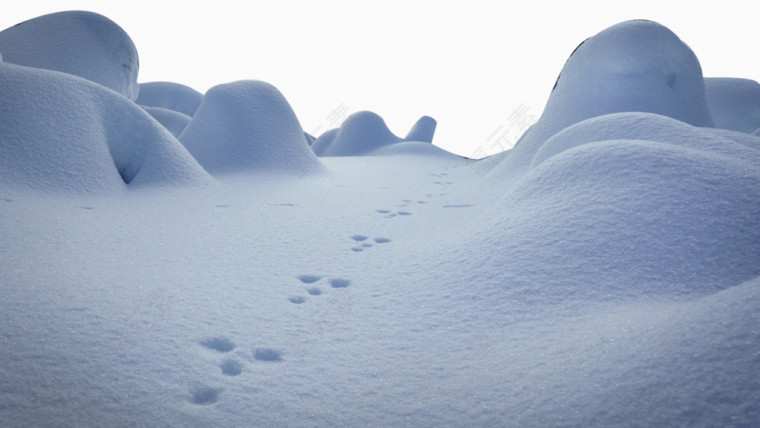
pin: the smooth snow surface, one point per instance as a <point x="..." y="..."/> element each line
<point x="734" y="103"/>
<point x="169" y="95"/>
<point x="84" y="44"/>
<point x="248" y="125"/>
<point x="607" y="274"/>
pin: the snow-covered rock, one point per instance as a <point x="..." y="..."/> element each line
<point x="634" y="66"/>
<point x="172" y="120"/>
<point x="62" y="133"/>
<point x="734" y="103"/>
<point x="170" y="95"/>
<point x="248" y="126"/>
<point x="423" y="130"/>
<point x="360" y="133"/>
<point x="84" y="44"/>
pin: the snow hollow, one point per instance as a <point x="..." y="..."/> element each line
<point x="172" y="258"/>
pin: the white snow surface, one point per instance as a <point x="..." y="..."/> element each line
<point x="607" y="274"/>
<point x="170" y="95"/>
<point x="734" y="103"/>
<point x="81" y="43"/>
<point x="248" y="126"/>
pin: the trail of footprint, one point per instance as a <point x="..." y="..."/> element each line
<point x="205" y="395"/>
<point x="219" y="343"/>
<point x="308" y="279"/>
<point x="339" y="283"/>
<point x="267" y="354"/>
<point x="231" y="367"/>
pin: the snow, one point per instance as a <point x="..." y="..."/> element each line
<point x="61" y="133"/>
<point x="170" y="95"/>
<point x="423" y="130"/>
<point x="604" y="274"/>
<point x="734" y="103"/>
<point x="248" y="126"/>
<point x="174" y="121"/>
<point x="84" y="44"/>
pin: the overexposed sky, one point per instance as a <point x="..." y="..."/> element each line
<point x="481" y="69"/>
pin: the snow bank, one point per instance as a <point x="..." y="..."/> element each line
<point x="423" y="130"/>
<point x="412" y="148"/>
<point x="248" y="126"/>
<point x="634" y="66"/>
<point x="169" y="95"/>
<point x="734" y="103"/>
<point x="62" y="133"/>
<point x="84" y="44"/>
<point x="174" y="121"/>
<point x="627" y="217"/>
<point x="360" y="133"/>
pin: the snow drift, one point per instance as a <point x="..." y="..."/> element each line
<point x="248" y="126"/>
<point x="59" y="133"/>
<point x="170" y="95"/>
<point x="84" y="44"/>
<point x="174" y="121"/>
<point x="734" y="103"/>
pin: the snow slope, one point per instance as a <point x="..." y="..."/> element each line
<point x="84" y="44"/>
<point x="608" y="275"/>
<point x="734" y="103"/>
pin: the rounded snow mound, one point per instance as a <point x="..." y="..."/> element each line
<point x="169" y="95"/>
<point x="629" y="218"/>
<point x="734" y="103"/>
<point x="84" y="44"/>
<point x="360" y="134"/>
<point x="62" y="133"/>
<point x="634" y="66"/>
<point x="248" y="126"/>
<point x="642" y="126"/>
<point x="413" y="148"/>
<point x="423" y="130"/>
<point x="323" y="141"/>
<point x="174" y="121"/>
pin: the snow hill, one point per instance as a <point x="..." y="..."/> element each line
<point x="84" y="44"/>
<point x="248" y="125"/>
<point x="604" y="272"/>
<point x="170" y="95"/>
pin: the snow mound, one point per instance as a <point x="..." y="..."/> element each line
<point x="84" y="44"/>
<point x="310" y="139"/>
<point x="360" y="134"/>
<point x="323" y="141"/>
<point x="734" y="103"/>
<point x="248" y="126"/>
<point x="172" y="120"/>
<point x="634" y="66"/>
<point x="169" y="95"/>
<point x="628" y="218"/>
<point x="423" y="130"/>
<point x="643" y="126"/>
<point x="62" y="133"/>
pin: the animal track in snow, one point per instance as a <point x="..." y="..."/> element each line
<point x="340" y="283"/>
<point x="359" y="238"/>
<point x="383" y="211"/>
<point x="221" y="344"/>
<point x="314" y="291"/>
<point x="297" y="300"/>
<point x="205" y="395"/>
<point x="404" y="213"/>
<point x="308" y="279"/>
<point x="458" y="206"/>
<point x="267" y="354"/>
<point x="231" y="367"/>
<point x="382" y="240"/>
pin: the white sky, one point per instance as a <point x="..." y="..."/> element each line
<point x="470" y="66"/>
